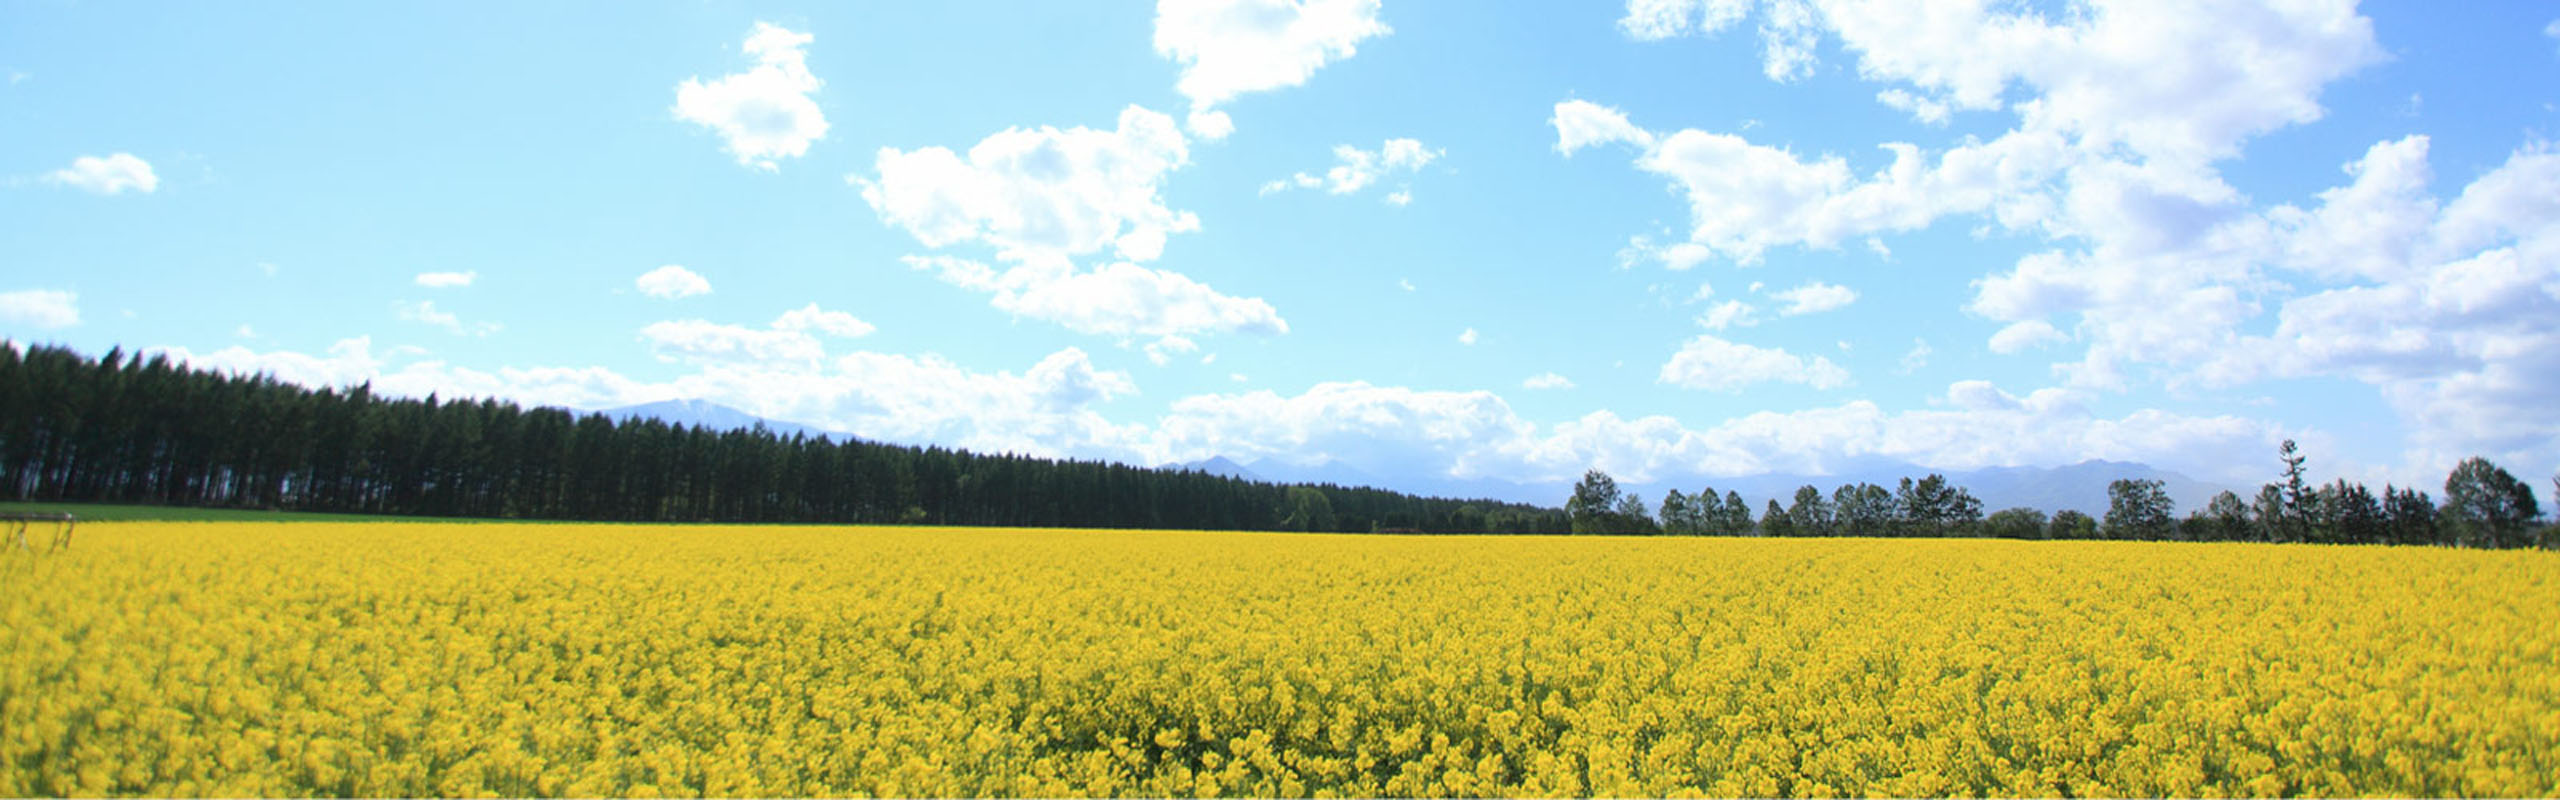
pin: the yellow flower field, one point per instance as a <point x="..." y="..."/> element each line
<point x="457" y="659"/>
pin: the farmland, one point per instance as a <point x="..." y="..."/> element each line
<point x="372" y="659"/>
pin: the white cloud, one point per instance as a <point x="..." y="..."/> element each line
<point x="1787" y="36"/>
<point x="2023" y="335"/>
<point x="1383" y="429"/>
<point x="1581" y="123"/>
<point x="1399" y="198"/>
<point x="111" y="175"/>
<point x="1405" y="284"/>
<point x="703" y="341"/>
<point x="1547" y="380"/>
<point x="348" y="362"/>
<point x="244" y="331"/>
<point x="2111" y="157"/>
<point x="832" y="323"/>
<point x="1916" y="358"/>
<point x="764" y="114"/>
<point x="791" y="339"/>
<point x="1053" y="409"/>
<point x="671" y="282"/>
<point x="425" y="311"/>
<point x="1391" y="430"/>
<point x="1715" y="364"/>
<point x="444" y="280"/>
<point x="1117" y="299"/>
<point x="1467" y="337"/>
<point x="1730" y="313"/>
<point x="1814" y="297"/>
<point x="1045" y="192"/>
<point x="1355" y="169"/>
<point x="1654" y="20"/>
<point x="46" y="309"/>
<point x="1229" y="48"/>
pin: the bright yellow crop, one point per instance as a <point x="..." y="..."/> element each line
<point x="446" y="659"/>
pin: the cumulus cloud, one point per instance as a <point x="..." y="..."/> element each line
<point x="43" y="309"/>
<point x="791" y="339"/>
<point x="1787" y="34"/>
<point x="1468" y="336"/>
<point x="1229" y="48"/>
<point x="1356" y="169"/>
<point x="1730" y="314"/>
<point x="111" y="175"/>
<point x="2155" y="261"/>
<point x="1814" y="297"/>
<point x="1583" y="124"/>
<point x="764" y="114"/>
<point x="348" y="362"/>
<point x="447" y="280"/>
<point x="2018" y="337"/>
<point x="1547" y="380"/>
<point x="671" y="282"/>
<point x="425" y="311"/>
<point x="1045" y="192"/>
<point x="832" y="323"/>
<point x="1041" y="198"/>
<point x="1118" y="299"/>
<point x="2454" y="317"/>
<point x="1716" y="364"/>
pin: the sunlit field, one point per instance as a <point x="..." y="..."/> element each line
<point x="454" y="659"/>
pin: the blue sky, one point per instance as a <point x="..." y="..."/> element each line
<point x="1668" y="238"/>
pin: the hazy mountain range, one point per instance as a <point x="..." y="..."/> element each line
<point x="2081" y="486"/>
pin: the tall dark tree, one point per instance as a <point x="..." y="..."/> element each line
<point x="1810" y="514"/>
<point x="2409" y="516"/>
<point x="2137" y="508"/>
<point x="1594" y="500"/>
<point x="2228" y="518"/>
<point x="1775" y="522"/>
<point x="1633" y="518"/>
<point x="1736" y="518"/>
<point x="1864" y="509"/>
<point x="2484" y="506"/>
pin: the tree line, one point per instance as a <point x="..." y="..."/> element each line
<point x="2484" y="506"/>
<point x="127" y="429"/>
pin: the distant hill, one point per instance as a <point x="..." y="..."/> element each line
<point x="688" y="413"/>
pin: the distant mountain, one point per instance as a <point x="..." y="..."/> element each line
<point x="688" y="413"/>
<point x="1219" y="465"/>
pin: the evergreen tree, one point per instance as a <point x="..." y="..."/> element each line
<point x="1810" y="515"/>
<point x="1775" y="522"/>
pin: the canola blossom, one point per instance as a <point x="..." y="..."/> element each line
<point x="402" y="659"/>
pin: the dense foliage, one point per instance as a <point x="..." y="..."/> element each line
<point x="421" y="659"/>
<point x="135" y="430"/>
